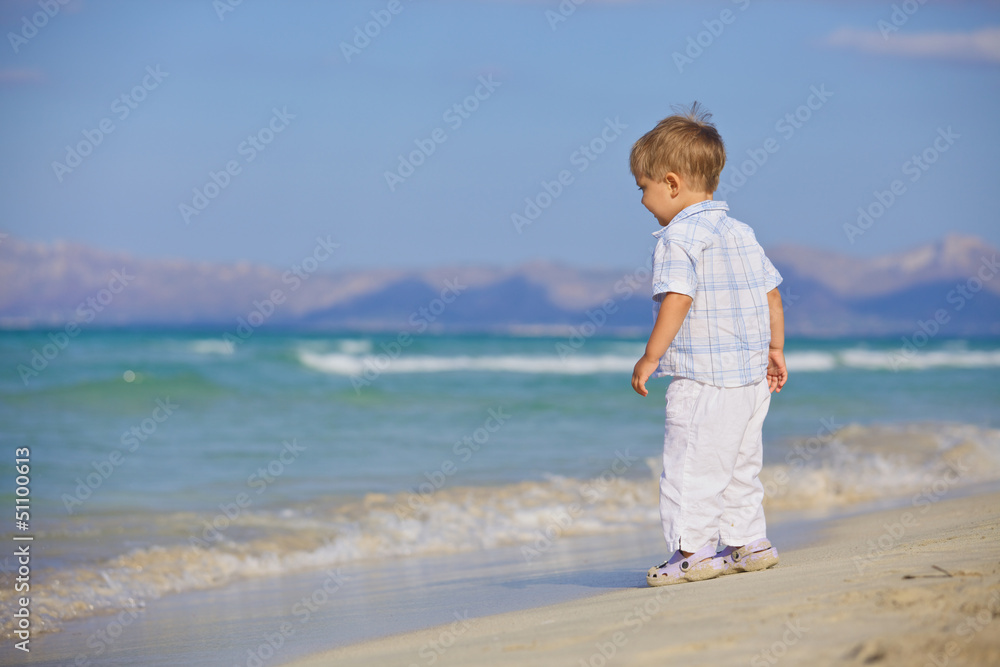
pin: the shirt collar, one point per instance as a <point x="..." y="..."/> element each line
<point x="693" y="209"/>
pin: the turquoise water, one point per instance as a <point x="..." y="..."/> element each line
<point x="235" y="408"/>
<point x="303" y="451"/>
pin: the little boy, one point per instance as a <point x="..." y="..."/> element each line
<point x="719" y="332"/>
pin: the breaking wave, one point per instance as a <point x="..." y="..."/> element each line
<point x="347" y="363"/>
<point x="921" y="462"/>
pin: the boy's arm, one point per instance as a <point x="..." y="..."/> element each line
<point x="777" y="374"/>
<point x="673" y="309"/>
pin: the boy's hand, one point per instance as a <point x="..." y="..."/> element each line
<point x="777" y="374"/>
<point x="673" y="309"/>
<point x="643" y="369"/>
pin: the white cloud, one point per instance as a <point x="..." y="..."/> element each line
<point x="981" y="45"/>
<point x="18" y="75"/>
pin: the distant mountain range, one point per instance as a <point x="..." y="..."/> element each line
<point x="825" y="293"/>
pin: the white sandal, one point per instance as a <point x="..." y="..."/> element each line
<point x="679" y="568"/>
<point x="758" y="555"/>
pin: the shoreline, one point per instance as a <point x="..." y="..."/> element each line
<point x="905" y="585"/>
<point x="261" y="622"/>
<point x="562" y="606"/>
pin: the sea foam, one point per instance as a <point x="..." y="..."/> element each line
<point x="805" y="361"/>
<point x="917" y="464"/>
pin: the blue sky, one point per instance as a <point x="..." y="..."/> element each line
<point x="822" y="106"/>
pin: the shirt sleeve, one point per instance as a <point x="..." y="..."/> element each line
<point x="674" y="269"/>
<point x="771" y="278"/>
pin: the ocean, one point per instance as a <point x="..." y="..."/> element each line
<point x="168" y="462"/>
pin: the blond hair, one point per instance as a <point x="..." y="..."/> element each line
<point x="685" y="143"/>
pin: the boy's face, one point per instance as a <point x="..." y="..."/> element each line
<point x="662" y="198"/>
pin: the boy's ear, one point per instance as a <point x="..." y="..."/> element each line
<point x="672" y="181"/>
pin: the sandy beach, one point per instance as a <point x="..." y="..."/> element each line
<point x="914" y="585"/>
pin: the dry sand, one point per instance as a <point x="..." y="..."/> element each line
<point x="918" y="585"/>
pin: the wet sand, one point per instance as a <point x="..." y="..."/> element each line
<point x="915" y="585"/>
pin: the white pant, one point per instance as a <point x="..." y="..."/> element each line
<point x="712" y="454"/>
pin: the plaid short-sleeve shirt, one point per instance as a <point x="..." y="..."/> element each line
<point x="717" y="261"/>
